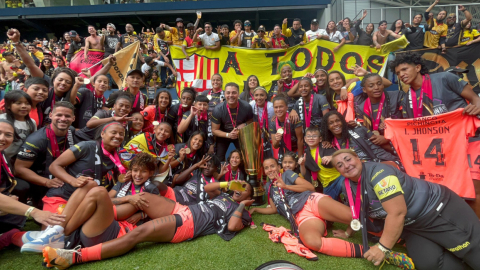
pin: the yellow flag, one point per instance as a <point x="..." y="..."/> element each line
<point x="126" y="59"/>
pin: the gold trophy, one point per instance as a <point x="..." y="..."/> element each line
<point x="250" y="138"/>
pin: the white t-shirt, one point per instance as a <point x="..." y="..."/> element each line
<point x="335" y="37"/>
<point x="146" y="67"/>
<point x="209" y="40"/>
<point x="311" y="35"/>
<point x="21" y="128"/>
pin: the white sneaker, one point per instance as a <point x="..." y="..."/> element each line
<point x="51" y="237"/>
<point x="31" y="236"/>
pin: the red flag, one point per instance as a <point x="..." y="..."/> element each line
<point x="78" y="61"/>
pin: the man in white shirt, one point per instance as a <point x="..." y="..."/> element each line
<point x="315" y="32"/>
<point x="210" y="40"/>
<point x="155" y="64"/>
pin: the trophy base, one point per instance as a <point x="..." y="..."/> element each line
<point x="258" y="190"/>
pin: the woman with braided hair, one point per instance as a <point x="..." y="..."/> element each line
<point x="286" y="83"/>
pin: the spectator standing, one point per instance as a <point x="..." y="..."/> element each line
<point x="315" y="32"/>
<point x="279" y="41"/>
<point x="77" y="43"/>
<point x="179" y="33"/>
<point x="109" y="39"/>
<point x="210" y="40"/>
<point x="365" y="37"/>
<point x="261" y="40"/>
<point x="437" y="30"/>
<point x="416" y="37"/>
<point x="455" y="29"/>
<point x="381" y="36"/>
<point x="295" y="34"/>
<point x="469" y="35"/>
<point x="246" y="37"/>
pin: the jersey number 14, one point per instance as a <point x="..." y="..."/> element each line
<point x="434" y="150"/>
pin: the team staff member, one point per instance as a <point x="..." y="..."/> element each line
<point x="135" y="80"/>
<point x="455" y="29"/>
<point x="437" y="31"/>
<point x="224" y="215"/>
<point x="44" y="146"/>
<point x="440" y="230"/>
<point x="295" y="34"/>
<point x="228" y="118"/>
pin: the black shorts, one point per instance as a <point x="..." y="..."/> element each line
<point x="109" y="234"/>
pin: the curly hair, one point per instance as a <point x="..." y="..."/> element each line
<point x="410" y="58"/>
<point x="325" y="132"/>
<point x="155" y="101"/>
<point x="286" y="63"/>
<point x="117" y="95"/>
<point x="368" y="76"/>
<point x="239" y="153"/>
<point x="144" y="160"/>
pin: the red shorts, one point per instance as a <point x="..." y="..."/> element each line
<point x="125" y="227"/>
<point x="184" y="232"/>
<point x="170" y="194"/>
<point x="51" y="204"/>
<point x="310" y="210"/>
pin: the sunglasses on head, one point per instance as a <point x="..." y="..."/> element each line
<point x="247" y="24"/>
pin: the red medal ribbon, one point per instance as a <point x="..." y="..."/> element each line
<point x="335" y="142"/>
<point x="230" y="114"/>
<point x="355" y="208"/>
<point x="115" y="159"/>
<point x="287" y="136"/>
<point x="53" y="141"/>
<point x="367" y="109"/>
<point x="427" y="89"/>
<point x="308" y="115"/>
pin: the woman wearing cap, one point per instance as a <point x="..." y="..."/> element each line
<point x="440" y="230"/>
<point x="135" y="79"/>
<point x="261" y="40"/>
<point x="262" y="112"/>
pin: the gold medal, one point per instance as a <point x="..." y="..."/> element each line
<point x="356" y="225"/>
<point x="184" y="105"/>
<point x="209" y="97"/>
<point x="280" y="131"/>
<point x="171" y="147"/>
<point x="86" y="81"/>
<point x="315" y="183"/>
<point x="187" y="151"/>
<point x="253" y="226"/>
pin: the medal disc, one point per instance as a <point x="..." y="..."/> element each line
<point x="209" y="97"/>
<point x="187" y="151"/>
<point x="86" y="81"/>
<point x="184" y="105"/>
<point x="253" y="226"/>
<point x="315" y="183"/>
<point x="280" y="131"/>
<point x="171" y="147"/>
<point x="355" y="225"/>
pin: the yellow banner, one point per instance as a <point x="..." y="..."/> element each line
<point x="126" y="60"/>
<point x="236" y="64"/>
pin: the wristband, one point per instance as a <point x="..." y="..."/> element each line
<point x="383" y="248"/>
<point x="228" y="135"/>
<point x="223" y="184"/>
<point x="179" y="161"/>
<point x="348" y="235"/>
<point x="29" y="211"/>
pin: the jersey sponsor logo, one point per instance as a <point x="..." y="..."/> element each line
<point x="459" y="247"/>
<point x="126" y="156"/>
<point x="433" y="32"/>
<point x="386" y="190"/>
<point x="26" y="153"/>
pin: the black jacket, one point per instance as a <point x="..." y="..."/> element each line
<point x="75" y="46"/>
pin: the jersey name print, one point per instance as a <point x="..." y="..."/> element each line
<point x="434" y="148"/>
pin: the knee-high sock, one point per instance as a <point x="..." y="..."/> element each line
<point x="88" y="254"/>
<point x="17" y="239"/>
<point x="340" y="248"/>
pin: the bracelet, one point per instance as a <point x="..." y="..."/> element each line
<point x="179" y="161"/>
<point x="384" y="246"/>
<point x="228" y="135"/>
<point x="348" y="235"/>
<point x="29" y="211"/>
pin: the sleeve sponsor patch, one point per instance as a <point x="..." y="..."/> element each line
<point x="387" y="187"/>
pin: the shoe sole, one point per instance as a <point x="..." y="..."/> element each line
<point x="35" y="249"/>
<point x="45" y="257"/>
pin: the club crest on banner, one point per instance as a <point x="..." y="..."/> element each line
<point x="195" y="72"/>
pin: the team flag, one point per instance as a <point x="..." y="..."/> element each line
<point x="78" y="61"/>
<point x="126" y="60"/>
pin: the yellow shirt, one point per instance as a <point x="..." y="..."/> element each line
<point x="167" y="38"/>
<point x="288" y="33"/>
<point x="468" y="35"/>
<point x="432" y="37"/>
<point x="39" y="55"/>
<point x="148" y="36"/>
<point x="325" y="175"/>
<point x="232" y="34"/>
<point x="255" y="43"/>
<point x="177" y="36"/>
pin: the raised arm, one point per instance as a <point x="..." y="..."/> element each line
<point x="432" y="6"/>
<point x="14" y="36"/>
<point x="468" y="16"/>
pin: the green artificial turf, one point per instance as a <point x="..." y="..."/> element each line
<point x="249" y="249"/>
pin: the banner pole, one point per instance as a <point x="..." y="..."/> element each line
<point x="98" y="63"/>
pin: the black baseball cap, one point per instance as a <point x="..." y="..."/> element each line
<point x="456" y="70"/>
<point x="261" y="28"/>
<point x="190" y="25"/>
<point x="72" y="33"/>
<point x="5" y="54"/>
<point x="179" y="20"/>
<point x="135" y="71"/>
<point x="314" y="21"/>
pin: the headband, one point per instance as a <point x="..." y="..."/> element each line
<point x="113" y="123"/>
